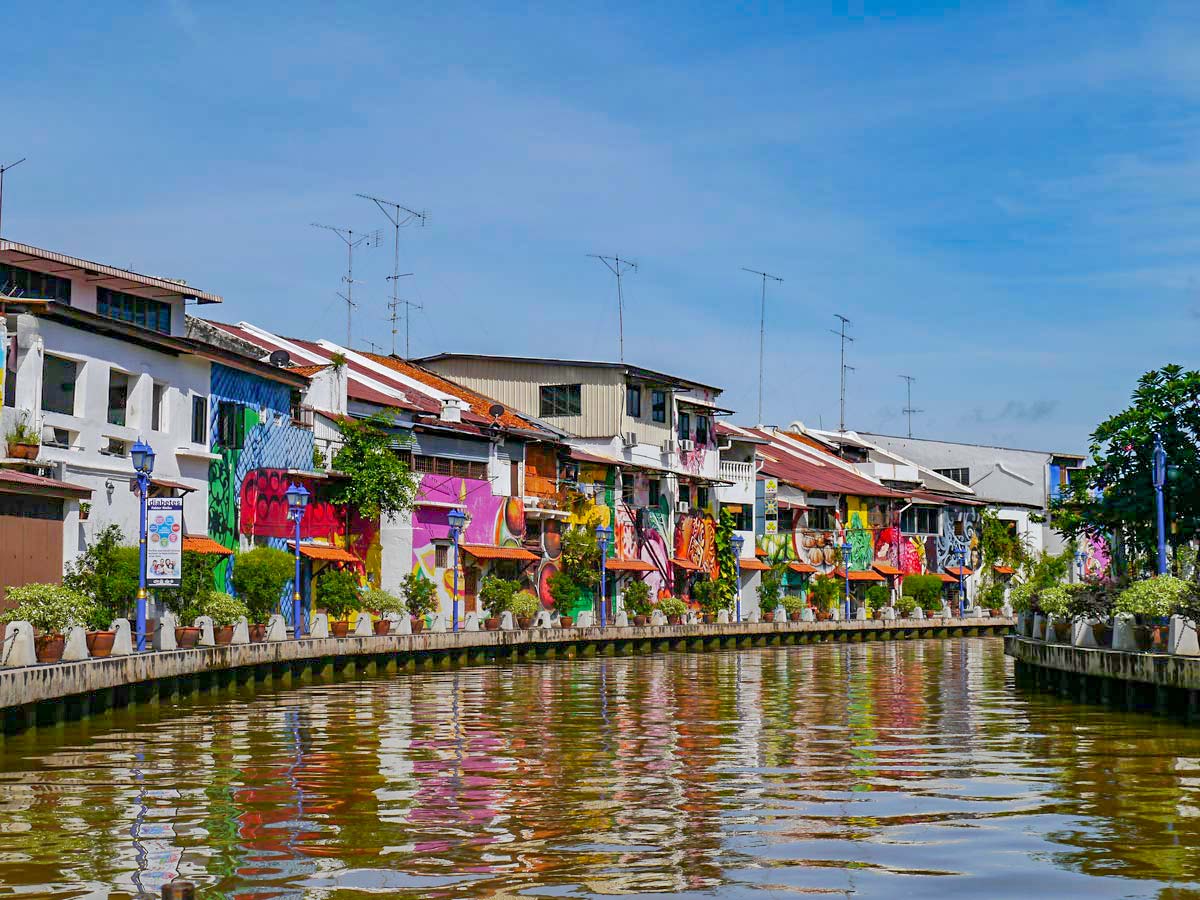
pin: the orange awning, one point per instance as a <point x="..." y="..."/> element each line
<point x="754" y="565"/>
<point x="628" y="565"/>
<point x="886" y="569"/>
<point x="801" y="568"/>
<point x="760" y="553"/>
<point x="859" y="575"/>
<point x="956" y="571"/>
<point x="205" y="545"/>
<point x="949" y="579"/>
<point x="487" y="551"/>
<point x="1004" y="570"/>
<point x="325" y="553"/>
<point x="685" y="564"/>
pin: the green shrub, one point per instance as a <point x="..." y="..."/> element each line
<point x="195" y="582"/>
<point x="825" y="592"/>
<point x="793" y="603"/>
<point x="222" y="608"/>
<point x="925" y="589"/>
<point x="672" y="606"/>
<point x="260" y="577"/>
<point x="877" y="596"/>
<point x="497" y="594"/>
<point x="525" y="605"/>
<point x="107" y="572"/>
<point x="337" y="592"/>
<point x="906" y="604"/>
<point x="53" y="608"/>
<point x="382" y="601"/>
<point x="420" y="595"/>
<point x="1156" y="597"/>
<point x="770" y="586"/>
<point x="565" y="593"/>
<point x="1023" y="597"/>
<point x="637" y="598"/>
<point x="708" y="594"/>
<point x="1055" y="600"/>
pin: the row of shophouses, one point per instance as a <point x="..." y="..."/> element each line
<point x="96" y="357"/>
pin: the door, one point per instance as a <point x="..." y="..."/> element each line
<point x="471" y="589"/>
<point x="31" y="541"/>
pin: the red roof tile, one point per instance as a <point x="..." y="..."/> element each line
<point x="13" y="481"/>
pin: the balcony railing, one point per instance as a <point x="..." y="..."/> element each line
<point x="740" y="472"/>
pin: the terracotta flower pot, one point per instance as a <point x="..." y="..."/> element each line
<point x="708" y="619"/>
<point x="100" y="643"/>
<point x="383" y="626"/>
<point x="418" y="624"/>
<point x="258" y="633"/>
<point x="223" y="634"/>
<point x="186" y="637"/>
<point x="768" y="617"/>
<point x="794" y="616"/>
<point x="524" y="622"/>
<point x="640" y="621"/>
<point x="492" y="623"/>
<point x="339" y="629"/>
<point x="1062" y="632"/>
<point x="674" y="620"/>
<point x="822" y="615"/>
<point x="994" y="613"/>
<point x="23" y="451"/>
<point x="1102" y="633"/>
<point x="1142" y="637"/>
<point x="565" y="622"/>
<point x="49" y="647"/>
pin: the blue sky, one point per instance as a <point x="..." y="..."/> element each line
<point x="1000" y="198"/>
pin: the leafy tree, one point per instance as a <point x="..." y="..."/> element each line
<point x="106" y="571"/>
<point x="637" y="598"/>
<point x="420" y="595"/>
<point x="877" y="596"/>
<point x="564" y="591"/>
<point x="378" y="482"/>
<point x="727" y="584"/>
<point x="581" y="557"/>
<point x="337" y="592"/>
<point x="260" y="576"/>
<point x="925" y="589"/>
<point x="770" y="586"/>
<point x="1115" y="494"/>
<point x="825" y="592"/>
<point x="195" y="583"/>
<point x="496" y="594"/>
<point x="710" y="596"/>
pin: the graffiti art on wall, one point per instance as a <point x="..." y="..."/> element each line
<point x="1096" y="558"/>
<point x="960" y="531"/>
<point x="695" y="541"/>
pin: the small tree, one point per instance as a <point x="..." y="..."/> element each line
<point x="106" y="571"/>
<point x="727" y="577"/>
<point x="581" y="557"/>
<point x="378" y="482"/>
<point x="824" y="592"/>
<point x="636" y="597"/>
<point x="709" y="595"/>
<point x="260" y="576"/>
<point x="420" y="596"/>
<point x="337" y="591"/>
<point x="926" y="590"/>
<point x="497" y="594"/>
<point x="770" y="586"/>
<point x="877" y="596"/>
<point x="564" y="591"/>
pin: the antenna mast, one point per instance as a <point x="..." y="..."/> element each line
<point x="908" y="410"/>
<point x="845" y="368"/>
<point x="400" y="216"/>
<point x="762" y="333"/>
<point x="4" y="169"/>
<point x="348" y="238"/>
<point x="618" y="267"/>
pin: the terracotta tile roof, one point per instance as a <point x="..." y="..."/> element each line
<point x="802" y="568"/>
<point x="486" y="551"/>
<point x="12" y="480"/>
<point x="685" y="564"/>
<point x="886" y="569"/>
<point x="308" y="371"/>
<point x="325" y="553"/>
<point x="755" y="565"/>
<point x="949" y="579"/>
<point x="956" y="571"/>
<point x="859" y="575"/>
<point x="628" y="565"/>
<point x="478" y="402"/>
<point x="206" y="545"/>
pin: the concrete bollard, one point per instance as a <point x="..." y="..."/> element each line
<point x="918" y="613"/>
<point x="1181" y="638"/>
<point x="860" y="614"/>
<point x="657" y="618"/>
<point x="945" y="612"/>
<point x="586" y="619"/>
<point x="506" y="621"/>
<point x="276" y="628"/>
<point x="241" y="631"/>
<point x="544" y="620"/>
<point x="205" y="624"/>
<point x="780" y="615"/>
<point x="318" y="626"/>
<point x="806" y="615"/>
<point x="75" y="648"/>
<point x="723" y="617"/>
<point x="1123" y="638"/>
<point x="164" y="635"/>
<point x="1082" y="635"/>
<point x="402" y="625"/>
<point x="470" y="622"/>
<point x="1039" y="627"/>
<point x="836" y="613"/>
<point x="362" y="625"/>
<point x="440" y="622"/>
<point x="123" y="642"/>
<point x="754" y="618"/>
<point x="888" y="614"/>
<point x="1006" y="610"/>
<point x="622" y="619"/>
<point x="18" y="645"/>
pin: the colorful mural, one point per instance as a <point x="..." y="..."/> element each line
<point x="960" y="531"/>
<point x="695" y="541"/>
<point x="1096" y="558"/>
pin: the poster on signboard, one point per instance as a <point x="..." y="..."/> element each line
<point x="164" y="541"/>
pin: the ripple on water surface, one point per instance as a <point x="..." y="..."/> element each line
<point x="879" y="770"/>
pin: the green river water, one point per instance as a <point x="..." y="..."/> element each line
<point x="909" y="769"/>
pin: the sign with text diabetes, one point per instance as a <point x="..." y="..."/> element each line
<point x="164" y="541"/>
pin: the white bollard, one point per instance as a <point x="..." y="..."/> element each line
<point x="402" y="624"/>
<point x="544" y="620"/>
<point x="657" y="618"/>
<point x="806" y="615"/>
<point x="18" y="645"/>
<point x="123" y="642"/>
<point x="1181" y="639"/>
<point x="918" y="613"/>
<point x="276" y="628"/>
<point x="164" y="635"/>
<point x="622" y="619"/>
<point x="506" y="621"/>
<point x="723" y="617"/>
<point x="205" y="624"/>
<point x="241" y="631"/>
<point x="754" y="618"/>
<point x="888" y="614"/>
<point x="1082" y="635"/>
<point x="860" y="615"/>
<point x="440" y="622"/>
<point x="1123" y="638"/>
<point x="362" y="625"/>
<point x="75" y="647"/>
<point x="470" y="623"/>
<point x="586" y="619"/>
<point x="1039" y="627"/>
<point x="318" y="626"/>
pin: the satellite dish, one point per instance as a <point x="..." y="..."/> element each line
<point x="280" y="358"/>
<point x="495" y="410"/>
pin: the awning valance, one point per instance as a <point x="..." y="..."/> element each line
<point x="325" y="553"/>
<point x="754" y="565"/>
<point x="487" y="551"/>
<point x="886" y="569"/>
<point x="206" y="545"/>
<point x="859" y="575"/>
<point x="685" y="564"/>
<point x="801" y="568"/>
<point x="957" y="571"/>
<point x="628" y="565"/>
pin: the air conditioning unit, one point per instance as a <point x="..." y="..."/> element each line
<point x="668" y="446"/>
<point x="686" y="446"/>
<point x="629" y="439"/>
<point x="683" y="507"/>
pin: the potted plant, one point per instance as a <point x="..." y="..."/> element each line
<point x="225" y="610"/>
<point x="674" y="609"/>
<point x="770" y="586"/>
<point x="823" y="595"/>
<point x="708" y="594"/>
<point x="23" y="441"/>
<point x="565" y="593"/>
<point x="187" y="635"/>
<point x="876" y="598"/>
<point x="260" y="577"/>
<point x="51" y="609"/>
<point x="794" y="605"/>
<point x="525" y="606"/>
<point x="1055" y="601"/>
<point x="420" y="597"/>
<point x="497" y="594"/>
<point x="926" y="590"/>
<point x="991" y="598"/>
<point x="906" y="605"/>
<point x="337" y="592"/>
<point x="636" y="598"/>
<point x="1092" y="604"/>
<point x="1150" y="601"/>
<point x="1022" y="597"/>
<point x="107" y="571"/>
<point x="380" y="603"/>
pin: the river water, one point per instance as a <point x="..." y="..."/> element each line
<point x="911" y="769"/>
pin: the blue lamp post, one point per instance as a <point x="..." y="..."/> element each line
<point x="458" y="521"/>
<point x="603" y="536"/>
<point x="142" y="456"/>
<point x="739" y="542"/>
<point x="846" y="548"/>
<point x="1160" y="479"/>
<point x="297" y="500"/>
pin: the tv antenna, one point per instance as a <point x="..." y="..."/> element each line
<point x="908" y="409"/>
<point x="618" y="267"/>
<point x="351" y="239"/>
<point x="762" y="332"/>
<point x="4" y="169"/>
<point x="400" y="216"/>
<point x="394" y="317"/>
<point x="845" y="368"/>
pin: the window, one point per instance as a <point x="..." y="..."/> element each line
<point x="627" y="490"/>
<point x="140" y="311"/>
<point x="685" y="493"/>
<point x="702" y="431"/>
<point x="231" y="425"/>
<point x="820" y="518"/>
<point x="58" y="385"/>
<point x="655" y="492"/>
<point x="633" y="401"/>
<point x="658" y="406"/>
<point x="156" y="407"/>
<point x="18" y="282"/>
<point x="56" y="437"/>
<point x="200" y="420"/>
<point x="559" y="400"/>
<point x="441" y="556"/>
<point x="787" y="519"/>
<point x="961" y="475"/>
<point x="702" y="497"/>
<point x="743" y="517"/>
<point x="919" y="520"/>
<point x="454" y="468"/>
<point x="685" y="426"/>
<point x="115" y="447"/>
<point x="118" y="396"/>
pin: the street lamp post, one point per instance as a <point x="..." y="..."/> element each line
<point x="142" y="456"/>
<point x="297" y="500"/>
<point x="603" y="536"/>
<point x="846" y="548"/>
<point x="1160" y="478"/>
<point x="458" y="521"/>
<point x="739" y="542"/>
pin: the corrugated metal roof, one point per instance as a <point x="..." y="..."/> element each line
<point x="13" y="478"/>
